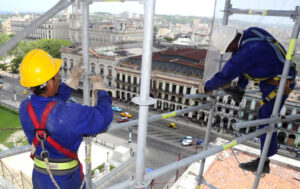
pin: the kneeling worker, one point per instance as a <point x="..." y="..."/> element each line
<point x="54" y="127"/>
<point x="258" y="56"/>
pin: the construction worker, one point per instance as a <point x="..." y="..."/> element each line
<point x="54" y="127"/>
<point x="258" y="56"/>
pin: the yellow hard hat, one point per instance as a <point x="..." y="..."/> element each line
<point x="38" y="67"/>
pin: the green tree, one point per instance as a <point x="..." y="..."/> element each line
<point x="52" y="46"/>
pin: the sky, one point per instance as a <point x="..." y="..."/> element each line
<point x="168" y="7"/>
<point x="180" y="7"/>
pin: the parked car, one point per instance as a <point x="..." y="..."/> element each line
<point x="126" y="114"/>
<point x="123" y="119"/>
<point x="72" y="100"/>
<point x="116" y="109"/>
<point x="172" y="125"/>
<point x="187" y="140"/>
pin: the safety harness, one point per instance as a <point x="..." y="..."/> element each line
<point x="280" y="53"/>
<point x="41" y="135"/>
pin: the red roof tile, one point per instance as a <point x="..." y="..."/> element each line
<point x="188" y="53"/>
<point x="225" y="173"/>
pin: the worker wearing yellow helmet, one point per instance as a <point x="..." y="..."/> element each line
<point x="54" y="127"/>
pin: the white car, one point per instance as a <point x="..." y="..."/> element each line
<point x="187" y="141"/>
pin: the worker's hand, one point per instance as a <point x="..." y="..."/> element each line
<point x="201" y="89"/>
<point x="236" y="93"/>
<point x="73" y="80"/>
<point x="97" y="82"/>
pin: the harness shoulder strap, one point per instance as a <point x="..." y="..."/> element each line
<point x="39" y="128"/>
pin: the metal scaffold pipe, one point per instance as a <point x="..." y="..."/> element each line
<point x="144" y="100"/>
<point x="218" y="93"/>
<point x="245" y="124"/>
<point x="61" y="5"/>
<point x="281" y="13"/>
<point x="86" y="90"/>
<point x="276" y="108"/>
<point x="187" y="161"/>
<point x="204" y="154"/>
<point x="159" y="117"/>
<point x="15" y="151"/>
<point x="223" y="93"/>
<point x="200" y="178"/>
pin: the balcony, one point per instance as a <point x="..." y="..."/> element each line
<point x="109" y="77"/>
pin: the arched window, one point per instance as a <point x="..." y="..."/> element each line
<point x="65" y="61"/>
<point x="101" y="69"/>
<point x="71" y="64"/>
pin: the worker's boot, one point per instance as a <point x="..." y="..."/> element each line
<point x="253" y="165"/>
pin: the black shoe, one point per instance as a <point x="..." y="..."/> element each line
<point x="252" y="166"/>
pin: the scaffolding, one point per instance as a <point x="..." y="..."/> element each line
<point x="144" y="100"/>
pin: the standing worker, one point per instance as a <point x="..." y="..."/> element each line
<point x="54" y="127"/>
<point x="257" y="56"/>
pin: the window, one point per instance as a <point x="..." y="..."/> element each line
<point x="167" y="87"/>
<point x="129" y="79"/>
<point x="160" y="86"/>
<point x="154" y="84"/>
<point x="181" y="90"/>
<point x="187" y="102"/>
<point x="174" y="88"/>
<point x="71" y="63"/>
<point x="65" y="63"/>
<point x="118" y="77"/>
<point x="109" y="83"/>
<point x="109" y="72"/>
<point x="101" y="69"/>
<point x="288" y="112"/>
<point x="123" y="78"/>
<point x="188" y="90"/>
<point x="135" y="80"/>
<point x="179" y="100"/>
<point x="173" y="98"/>
<point x="166" y="97"/>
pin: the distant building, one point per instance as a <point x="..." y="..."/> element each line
<point x="69" y="27"/>
<point x="104" y="61"/>
<point x="174" y="74"/>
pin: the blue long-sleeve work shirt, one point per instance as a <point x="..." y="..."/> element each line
<point x="67" y="122"/>
<point x="255" y="58"/>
